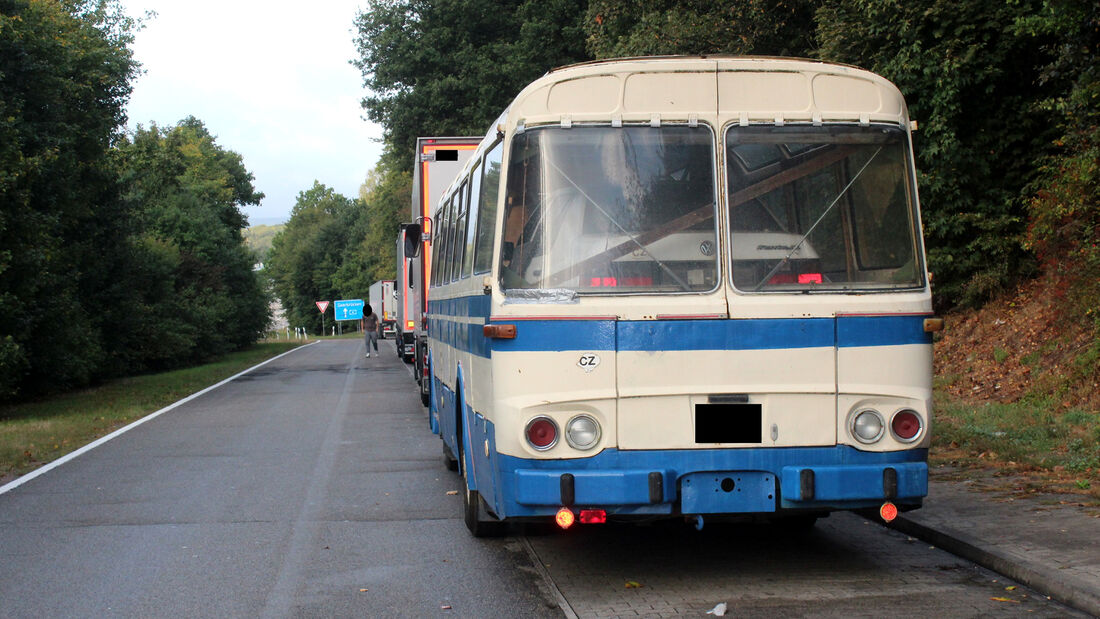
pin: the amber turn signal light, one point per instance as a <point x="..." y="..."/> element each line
<point x="933" y="324"/>
<point x="500" y="332"/>
<point x="565" y="518"/>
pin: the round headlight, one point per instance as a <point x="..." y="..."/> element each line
<point x="542" y="433"/>
<point x="868" y="426"/>
<point x="906" y="425"/>
<point x="582" y="432"/>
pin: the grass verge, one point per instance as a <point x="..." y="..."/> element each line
<point x="35" y="433"/>
<point x="1035" y="446"/>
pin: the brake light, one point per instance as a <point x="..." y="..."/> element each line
<point x="801" y="278"/>
<point x="542" y="433"/>
<point x="906" y="425"/>
<point x="612" y="282"/>
<point x="593" y="516"/>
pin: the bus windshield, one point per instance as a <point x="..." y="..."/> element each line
<point x="604" y="210"/>
<point x="821" y="208"/>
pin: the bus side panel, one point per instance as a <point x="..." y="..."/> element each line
<point x="457" y="348"/>
<point x="884" y="362"/>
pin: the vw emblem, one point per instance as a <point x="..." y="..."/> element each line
<point x="706" y="248"/>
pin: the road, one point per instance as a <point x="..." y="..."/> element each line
<point x="309" y="487"/>
<point x="312" y="487"/>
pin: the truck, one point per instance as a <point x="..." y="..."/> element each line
<point x="382" y="301"/>
<point x="437" y="162"/>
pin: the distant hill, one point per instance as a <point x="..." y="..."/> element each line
<point x="259" y="238"/>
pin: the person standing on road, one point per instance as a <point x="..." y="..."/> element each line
<point x="370" y="328"/>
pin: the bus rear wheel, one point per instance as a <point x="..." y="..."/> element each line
<point x="477" y="519"/>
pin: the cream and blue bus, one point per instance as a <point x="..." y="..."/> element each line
<point x="685" y="288"/>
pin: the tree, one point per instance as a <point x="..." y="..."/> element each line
<point x="65" y="72"/>
<point x="1064" y="206"/>
<point x="618" y="28"/>
<point x="387" y="197"/>
<point x="449" y="67"/>
<point x="199" y="295"/>
<point x="308" y="253"/>
<point x="971" y="78"/>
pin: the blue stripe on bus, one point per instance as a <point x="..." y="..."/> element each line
<point x="560" y="335"/>
<point x="556" y="335"/>
<point x="738" y="334"/>
<point x="853" y="331"/>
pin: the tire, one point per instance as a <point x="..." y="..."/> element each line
<point x="477" y="519"/>
<point x="802" y="523"/>
<point x="426" y="384"/>
<point x="449" y="460"/>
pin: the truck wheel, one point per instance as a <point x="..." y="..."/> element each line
<point x="448" y="460"/>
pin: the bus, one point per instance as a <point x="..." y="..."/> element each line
<point x="685" y="287"/>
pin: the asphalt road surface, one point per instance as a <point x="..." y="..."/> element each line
<point x="311" y="487"/>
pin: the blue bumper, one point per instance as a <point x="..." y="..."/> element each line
<point x="712" y="481"/>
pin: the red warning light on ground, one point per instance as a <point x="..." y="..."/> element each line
<point x="564" y="518"/>
<point x="888" y="511"/>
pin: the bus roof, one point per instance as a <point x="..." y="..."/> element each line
<point x="716" y="89"/>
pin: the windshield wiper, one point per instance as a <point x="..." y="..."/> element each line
<point x="802" y="240"/>
<point x="633" y="239"/>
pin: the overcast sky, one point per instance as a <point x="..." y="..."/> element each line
<point x="271" y="79"/>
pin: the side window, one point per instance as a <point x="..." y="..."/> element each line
<point x="487" y="215"/>
<point x="437" y="225"/>
<point x="445" y="244"/>
<point x="471" y="226"/>
<point x="449" y="269"/>
<point x="459" y="240"/>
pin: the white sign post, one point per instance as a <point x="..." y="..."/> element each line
<point x="322" y="305"/>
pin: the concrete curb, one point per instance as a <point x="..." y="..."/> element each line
<point x="1042" y="579"/>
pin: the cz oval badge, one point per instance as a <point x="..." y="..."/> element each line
<point x="589" y="361"/>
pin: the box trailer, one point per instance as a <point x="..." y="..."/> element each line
<point x="382" y="301"/>
<point x="438" y="161"/>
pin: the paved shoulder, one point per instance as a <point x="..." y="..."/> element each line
<point x="1052" y="548"/>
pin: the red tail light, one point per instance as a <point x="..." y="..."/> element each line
<point x="593" y="516"/>
<point x="906" y="425"/>
<point x="542" y="433"/>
